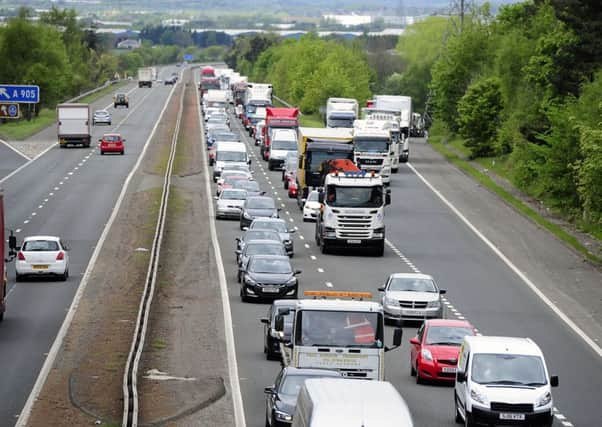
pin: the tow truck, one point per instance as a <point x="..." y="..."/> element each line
<point x="12" y="253"/>
<point x="372" y="145"/>
<point x="344" y="335"/>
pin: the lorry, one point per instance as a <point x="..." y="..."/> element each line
<point x="258" y="91"/>
<point x="278" y="118"/>
<point x="73" y="124"/>
<point x="341" y="112"/>
<point x="346" y="335"/>
<point x="209" y="83"/>
<point x="401" y="106"/>
<point x="145" y="77"/>
<point x="12" y="253"/>
<point x="352" y="212"/>
<point x="216" y="98"/>
<point x="417" y="127"/>
<point x="315" y="146"/>
<point x="207" y="71"/>
<point x="391" y="123"/>
<point x="238" y="91"/>
<point x="372" y="147"/>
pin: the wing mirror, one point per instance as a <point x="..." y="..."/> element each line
<point x="297" y="272"/>
<point x="414" y="341"/>
<point x="554" y="381"/>
<point x="388" y="197"/>
<point x="321" y="197"/>
<point x="270" y="390"/>
<point x="442" y="291"/>
<point x="381" y="289"/>
<point x="460" y="377"/>
<point x="265" y="320"/>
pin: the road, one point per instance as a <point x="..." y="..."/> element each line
<point x="423" y="234"/>
<point x="70" y="193"/>
<point x="9" y="160"/>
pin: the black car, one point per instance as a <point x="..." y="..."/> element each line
<point x="257" y="247"/>
<point x="256" y="207"/>
<point x="220" y="134"/>
<point x="252" y="187"/>
<point x="121" y="99"/>
<point x="251" y="235"/>
<point x="271" y="345"/>
<point x="281" y="398"/>
<point x="268" y="276"/>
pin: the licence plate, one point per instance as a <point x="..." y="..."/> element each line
<point x="39" y="267"/>
<point x="354" y="242"/>
<point x="449" y="370"/>
<point x="271" y="289"/>
<point x="414" y="312"/>
<point x="511" y="416"/>
<point x="112" y="145"/>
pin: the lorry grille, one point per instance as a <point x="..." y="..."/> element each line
<point x="512" y="407"/>
<point x="413" y="304"/>
<point x="354" y="226"/>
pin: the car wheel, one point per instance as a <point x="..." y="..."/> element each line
<point x="109" y="123"/>
<point x="122" y="152"/>
<point x="468" y="420"/>
<point x="419" y="379"/>
<point x="412" y="370"/>
<point x="102" y="153"/>
<point x="286" y="184"/>
<point x="238" y="278"/>
<point x="115" y="106"/>
<point x="380" y="250"/>
<point x="63" y="277"/>
<point x="394" y="170"/>
<point x="324" y="247"/>
<point x="243" y="295"/>
<point x="18" y="278"/>
<point x="459" y="419"/>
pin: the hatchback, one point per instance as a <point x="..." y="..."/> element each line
<point x="278" y="225"/>
<point x="272" y="338"/>
<point x="229" y="203"/>
<point x="258" y="247"/>
<point x="42" y="256"/>
<point x="268" y="276"/>
<point x="101" y="116"/>
<point x="112" y="143"/>
<point x="257" y="207"/>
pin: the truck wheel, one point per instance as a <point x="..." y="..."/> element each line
<point x="394" y="170"/>
<point x="380" y="249"/>
<point x="324" y="247"/>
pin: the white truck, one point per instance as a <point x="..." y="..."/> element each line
<point x="73" y="124"/>
<point x="353" y="212"/>
<point x="341" y="112"/>
<point x="258" y="91"/>
<point x="216" y="98"/>
<point x="391" y="123"/>
<point x="337" y="334"/>
<point x="372" y="147"/>
<point x="401" y="106"/>
<point x="145" y="77"/>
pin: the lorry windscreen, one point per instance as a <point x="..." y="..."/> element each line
<point x="371" y="145"/>
<point x="357" y="197"/>
<point x="316" y="158"/>
<point x="338" y="329"/>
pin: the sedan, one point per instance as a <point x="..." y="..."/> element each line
<point x="112" y="143"/>
<point x="311" y="207"/>
<point x="269" y="276"/>
<point x="251" y="235"/>
<point x="278" y="225"/>
<point x="411" y="296"/>
<point x="229" y="203"/>
<point x="252" y="187"/>
<point x="435" y="349"/>
<point x="272" y="337"/>
<point x="257" y="207"/>
<point x="281" y="398"/>
<point x="257" y="247"/>
<point x="231" y="175"/>
<point x="101" y="116"/>
<point x="289" y="172"/>
<point x="42" y="256"/>
<point x="171" y="80"/>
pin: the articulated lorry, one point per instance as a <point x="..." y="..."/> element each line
<point x="341" y="112"/>
<point x="12" y="253"/>
<point x="278" y="118"/>
<point x="145" y="77"/>
<point x="401" y="107"/>
<point x="372" y="147"/>
<point x="73" y="124"/>
<point x="389" y="122"/>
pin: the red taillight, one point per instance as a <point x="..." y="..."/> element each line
<point x="20" y="256"/>
<point x="60" y="256"/>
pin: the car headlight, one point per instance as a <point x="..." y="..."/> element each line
<point x="286" y="242"/>
<point x="544" y="400"/>
<point x="246" y="215"/>
<point x="249" y="280"/>
<point x="477" y="396"/>
<point x="390" y="301"/>
<point x="291" y="281"/>
<point x="434" y="304"/>
<point x="282" y="416"/>
<point x="426" y="354"/>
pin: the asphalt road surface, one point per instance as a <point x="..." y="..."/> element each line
<point x="68" y="192"/>
<point x="426" y="235"/>
<point x="9" y="160"/>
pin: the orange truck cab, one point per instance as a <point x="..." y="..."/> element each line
<point x="278" y="118"/>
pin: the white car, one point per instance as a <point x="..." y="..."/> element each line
<point x="101" y="116"/>
<point x="311" y="208"/>
<point x="42" y="256"/>
<point x="229" y="203"/>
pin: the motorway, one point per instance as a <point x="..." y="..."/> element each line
<point x="423" y="235"/>
<point x="69" y="193"/>
<point x="10" y="159"/>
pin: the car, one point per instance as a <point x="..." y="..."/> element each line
<point x="121" y="99"/>
<point x="258" y="136"/>
<point x="292" y="190"/>
<point x="251" y="186"/>
<point x="283" y="141"/>
<point x="231" y="173"/>
<point x="219" y="117"/>
<point x="268" y="276"/>
<point x="289" y="171"/>
<point x="208" y="111"/>
<point x="220" y="134"/>
<point x="435" y="348"/>
<point x="312" y="206"/>
<point x="214" y="125"/>
<point x="281" y="398"/>
<point x="42" y="256"/>
<point x="271" y="337"/>
<point x="101" y="116"/>
<point x="411" y="296"/>
<point x="112" y="143"/>
<point x="229" y="203"/>
<point x="250" y="235"/>
<point x="256" y="207"/>
<point x="278" y="225"/>
<point x="257" y="247"/>
<point x="172" y="80"/>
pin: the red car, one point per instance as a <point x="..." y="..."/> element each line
<point x="435" y="349"/>
<point x="112" y="143"/>
<point x="292" y="190"/>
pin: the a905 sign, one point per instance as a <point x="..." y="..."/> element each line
<point x="26" y="94"/>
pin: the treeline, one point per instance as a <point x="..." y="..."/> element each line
<point x="525" y="86"/>
<point x="305" y="72"/>
<point x="158" y="34"/>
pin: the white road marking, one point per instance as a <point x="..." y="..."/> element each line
<point x="291" y="220"/>
<point x="51" y="194"/>
<point x="328" y="284"/>
<point x="40" y="206"/>
<point x="26" y="221"/>
<point x="18" y="230"/>
<point x="307" y="246"/>
<point x="14" y="149"/>
<point x="281" y="204"/>
<point x="313" y="257"/>
<point x="24" y="165"/>
<point x="33" y="213"/>
<point x="301" y="237"/>
<point x="320" y="270"/>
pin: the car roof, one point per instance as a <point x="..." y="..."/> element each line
<point x="101" y="111"/>
<point x="262" y="219"/>
<point x="279" y="257"/>
<point x="411" y="276"/>
<point x="264" y="242"/>
<point x="289" y="370"/>
<point x="448" y="322"/>
<point x="501" y="345"/>
<point x="29" y="238"/>
<point x="262" y="230"/>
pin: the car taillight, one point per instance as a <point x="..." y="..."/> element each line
<point x="20" y="256"/>
<point x="60" y="256"/>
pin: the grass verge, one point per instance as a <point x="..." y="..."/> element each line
<point x="521" y="207"/>
<point x="311" y="120"/>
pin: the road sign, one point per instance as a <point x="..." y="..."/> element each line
<point x="188" y="57"/>
<point x="29" y="94"/>
<point x="9" y="111"/>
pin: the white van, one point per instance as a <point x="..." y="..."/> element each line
<point x="229" y="153"/>
<point x="503" y="380"/>
<point x="327" y="402"/>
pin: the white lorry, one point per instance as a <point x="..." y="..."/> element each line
<point x="401" y="106"/>
<point x="372" y="146"/>
<point x="216" y="98"/>
<point x="336" y="334"/>
<point x="341" y="112"/>
<point x="258" y="91"/>
<point x="353" y="212"/>
<point x="145" y="77"/>
<point x="73" y="124"/>
<point x="390" y="122"/>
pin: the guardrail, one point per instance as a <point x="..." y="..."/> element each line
<point x="90" y="92"/>
<point x="286" y="104"/>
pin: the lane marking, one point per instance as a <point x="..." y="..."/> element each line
<point x="328" y="284"/>
<point x="19" y="152"/>
<point x="320" y="270"/>
<point x="301" y="237"/>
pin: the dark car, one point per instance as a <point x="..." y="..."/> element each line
<point x="278" y="225"/>
<point x="251" y="235"/>
<point x="220" y="134"/>
<point x="273" y="338"/>
<point x="256" y="207"/>
<point x="172" y="80"/>
<point x="252" y="187"/>
<point x="281" y="398"/>
<point x="121" y="99"/>
<point x="269" y="276"/>
<point x="257" y="247"/>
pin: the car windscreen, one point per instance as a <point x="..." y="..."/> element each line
<point x="284" y="145"/>
<point x="508" y="369"/>
<point x="447" y="335"/>
<point x="101" y="113"/>
<point x="279" y="226"/>
<point x="292" y="384"/>
<point x="40" y="246"/>
<point x="231" y="156"/>
<point x="263" y="203"/>
<point x="246" y="185"/>
<point x="264" y="249"/>
<point x="268" y="265"/>
<point x="372" y="145"/>
<point x="261" y="235"/>
<point x="313" y="196"/>
<point x="234" y="194"/>
<point x="411" y="284"/>
<point x="226" y="136"/>
<point x="361" y="197"/>
<point x="111" y="138"/>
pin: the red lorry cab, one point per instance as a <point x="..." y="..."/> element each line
<point x="208" y="71"/>
<point x="278" y="118"/>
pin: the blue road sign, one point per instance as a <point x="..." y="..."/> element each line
<point x="13" y="110"/>
<point x="188" y="57"/>
<point x="29" y="94"/>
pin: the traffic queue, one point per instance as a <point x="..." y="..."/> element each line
<point x="331" y="344"/>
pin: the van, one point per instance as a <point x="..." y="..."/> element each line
<point x="229" y="153"/>
<point x="503" y="380"/>
<point x="327" y="402"/>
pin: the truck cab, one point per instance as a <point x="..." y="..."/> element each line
<point x="372" y="145"/>
<point x="341" y="112"/>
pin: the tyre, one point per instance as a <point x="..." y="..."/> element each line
<point x="380" y="249"/>
<point x="286" y="184"/>
<point x="109" y="123"/>
<point x="395" y="170"/>
<point x="63" y="277"/>
<point x="270" y="166"/>
<point x="18" y="278"/>
<point x="468" y="420"/>
<point x="419" y="379"/>
<point x="115" y="106"/>
<point x="243" y="295"/>
<point x="412" y="370"/>
<point x="121" y="152"/>
<point x="459" y="419"/>
<point x="238" y="278"/>
<point x="102" y="153"/>
<point x="324" y="247"/>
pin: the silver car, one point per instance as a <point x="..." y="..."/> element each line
<point x="278" y="225"/>
<point x="101" y="116"/>
<point x="411" y="296"/>
<point x="229" y="203"/>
